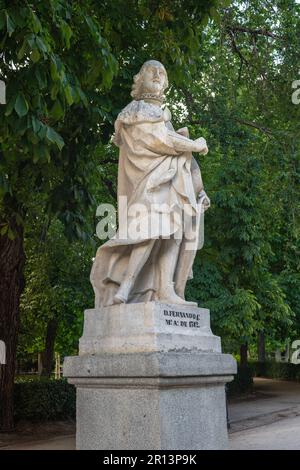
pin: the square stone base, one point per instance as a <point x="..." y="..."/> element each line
<point x="150" y="376"/>
<point x="158" y="401"/>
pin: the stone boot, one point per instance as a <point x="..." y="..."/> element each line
<point x="168" y="295"/>
<point x="122" y="295"/>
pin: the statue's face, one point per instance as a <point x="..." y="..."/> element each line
<point x="153" y="79"/>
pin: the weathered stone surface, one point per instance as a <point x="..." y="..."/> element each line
<point x="147" y="327"/>
<point x="161" y="202"/>
<point x="145" y="383"/>
<point x="153" y="365"/>
<point x="173" y="400"/>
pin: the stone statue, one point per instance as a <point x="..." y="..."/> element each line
<point x="158" y="174"/>
<point x="150" y="373"/>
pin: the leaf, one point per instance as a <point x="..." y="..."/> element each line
<point x="42" y="131"/>
<point x="36" y="24"/>
<point x="56" y="68"/>
<point x="10" y="234"/>
<point x="10" y="25"/>
<point x="32" y="137"/>
<point x="41" y="45"/>
<point x="4" y="229"/>
<point x="31" y="40"/>
<point x="35" y="56"/>
<point x="54" y="91"/>
<point x="36" y="154"/>
<point x="82" y="96"/>
<point x="21" y="105"/>
<point x="66" y="33"/>
<point x="19" y="219"/>
<point x="54" y="71"/>
<point x="21" y="125"/>
<point x="10" y="106"/>
<point x="36" y="124"/>
<point x="57" y="111"/>
<point x="55" y="138"/>
<point x="226" y="3"/>
<point x="91" y="25"/>
<point x="41" y="152"/>
<point x="69" y="95"/>
<point x="214" y="14"/>
<point x="41" y="78"/>
<point x="23" y="49"/>
<point x="205" y="20"/>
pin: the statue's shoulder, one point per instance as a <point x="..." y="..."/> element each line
<point x="140" y="111"/>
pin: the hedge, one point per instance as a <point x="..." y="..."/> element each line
<point x="48" y="399"/>
<point x="242" y="382"/>
<point x="276" y="370"/>
<point x="44" y="400"/>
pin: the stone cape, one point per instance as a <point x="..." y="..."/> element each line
<point x="156" y="169"/>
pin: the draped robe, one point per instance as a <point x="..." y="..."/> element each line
<point x="159" y="178"/>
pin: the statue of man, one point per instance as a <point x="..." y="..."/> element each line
<point x="158" y="175"/>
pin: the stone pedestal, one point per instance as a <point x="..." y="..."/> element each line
<point x="150" y="376"/>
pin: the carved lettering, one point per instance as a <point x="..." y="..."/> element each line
<point x="193" y="318"/>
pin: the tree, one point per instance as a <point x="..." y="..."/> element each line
<point x="56" y="293"/>
<point x="58" y="60"/>
<point x="242" y="102"/>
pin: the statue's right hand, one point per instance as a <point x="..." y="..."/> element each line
<point x="202" y="145"/>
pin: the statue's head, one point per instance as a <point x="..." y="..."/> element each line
<point x="150" y="82"/>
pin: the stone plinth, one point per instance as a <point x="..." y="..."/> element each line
<point x="147" y="327"/>
<point x="150" y="376"/>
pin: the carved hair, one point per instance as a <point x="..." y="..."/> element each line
<point x="136" y="92"/>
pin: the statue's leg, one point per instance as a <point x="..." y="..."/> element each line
<point x="167" y="260"/>
<point x="184" y="267"/>
<point x="138" y="257"/>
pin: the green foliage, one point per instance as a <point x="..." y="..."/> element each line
<point x="44" y="400"/>
<point x="276" y="370"/>
<point x="59" y="60"/>
<point x="54" y="56"/>
<point x="57" y="287"/>
<point x="247" y="272"/>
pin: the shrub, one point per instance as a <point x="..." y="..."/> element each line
<point x="242" y="382"/>
<point x="44" y="400"/>
<point x="276" y="370"/>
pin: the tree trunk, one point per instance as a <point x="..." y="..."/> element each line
<point x="244" y="355"/>
<point x="48" y="354"/>
<point x="261" y="347"/>
<point x="40" y="364"/>
<point x="12" y="259"/>
<point x="57" y="366"/>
